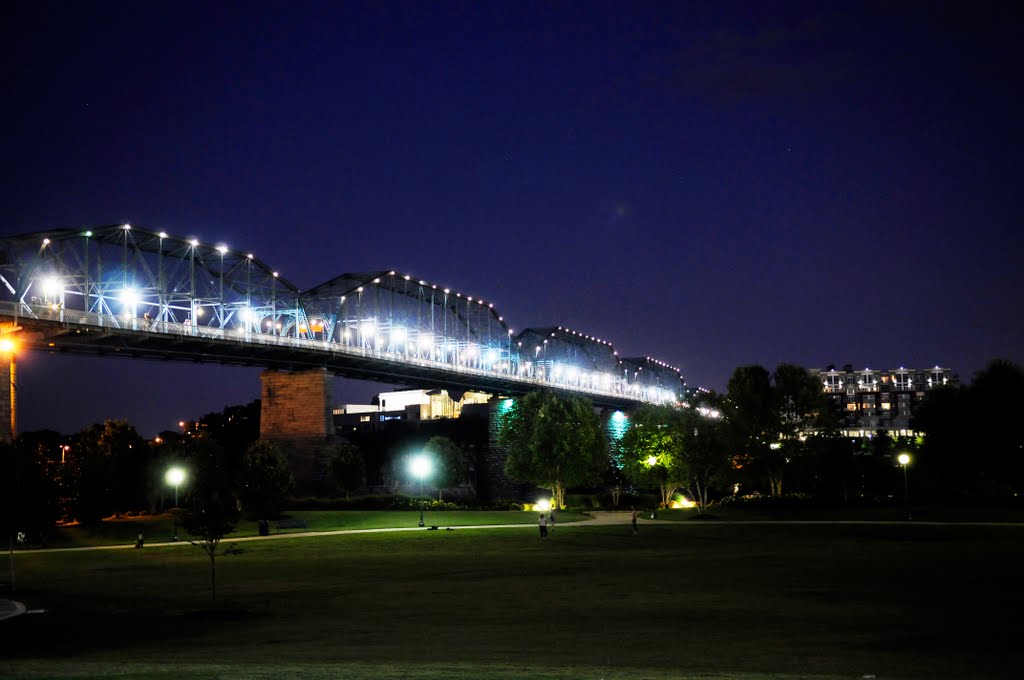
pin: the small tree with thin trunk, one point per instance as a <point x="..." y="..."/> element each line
<point x="266" y="481"/>
<point x="212" y="510"/>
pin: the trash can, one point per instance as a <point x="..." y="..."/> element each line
<point x="264" y="527"/>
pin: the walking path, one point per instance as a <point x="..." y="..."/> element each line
<point x="598" y="518"/>
<point x="9" y="609"/>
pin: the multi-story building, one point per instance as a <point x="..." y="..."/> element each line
<point x="873" y="400"/>
<point x="406" y="405"/>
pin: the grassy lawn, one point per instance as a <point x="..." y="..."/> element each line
<point x="740" y="602"/>
<point x="161" y="528"/>
<point x="892" y="513"/>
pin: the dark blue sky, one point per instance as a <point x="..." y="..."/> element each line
<point x="712" y="184"/>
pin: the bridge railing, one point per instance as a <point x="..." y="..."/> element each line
<point x="56" y="315"/>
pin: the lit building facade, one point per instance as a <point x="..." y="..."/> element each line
<point x="872" y="400"/>
<point x="405" y="405"/>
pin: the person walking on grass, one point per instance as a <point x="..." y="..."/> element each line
<point x="632" y="517"/>
<point x="542" y="522"/>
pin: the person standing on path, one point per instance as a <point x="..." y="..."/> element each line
<point x="551" y="520"/>
<point x="632" y="517"/>
<point x="542" y="522"/>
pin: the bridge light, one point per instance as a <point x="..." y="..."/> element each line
<point x="406" y="277"/>
<point x="222" y="249"/>
<point x="194" y="243"/>
<point x="7" y="346"/>
<point x="162" y="234"/>
<point x="447" y="290"/>
<point x="249" y="256"/>
<point x="275" y="275"/>
<point x="51" y="286"/>
<point x="127" y="227"/>
<point x="359" y="289"/>
<point x="46" y="241"/>
<point x="367" y="327"/>
<point x="376" y="280"/>
<point x="398" y="334"/>
<point x="88" y="234"/>
<point x="423" y="283"/>
<point x="471" y="351"/>
<point x="129" y="296"/>
<point x="425" y="341"/>
<point x="245" y="314"/>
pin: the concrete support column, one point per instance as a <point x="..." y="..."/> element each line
<point x="296" y="404"/>
<point x="297" y="411"/>
<point x="492" y="483"/>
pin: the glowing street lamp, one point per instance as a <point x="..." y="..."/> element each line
<point x="904" y="460"/>
<point x="421" y="466"/>
<point x="175" y="476"/>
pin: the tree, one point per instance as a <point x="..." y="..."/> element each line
<point x="347" y="466"/>
<point x="771" y="413"/>
<point x="109" y="465"/>
<point x="266" y="483"/>
<point x="705" y="448"/>
<point x="450" y="461"/>
<point x="212" y="509"/>
<point x="653" y="450"/>
<point x="753" y="417"/>
<point x="553" y="442"/>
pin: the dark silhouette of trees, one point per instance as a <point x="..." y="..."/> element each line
<point x="109" y="471"/>
<point x="265" y="483"/>
<point x="768" y="414"/>
<point x="450" y="463"/>
<point x="348" y="469"/>
<point x="972" y="444"/>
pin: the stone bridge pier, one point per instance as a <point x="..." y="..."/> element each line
<point x="297" y="412"/>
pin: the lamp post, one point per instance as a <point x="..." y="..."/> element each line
<point x="904" y="460"/>
<point x="175" y="476"/>
<point x="420" y="466"/>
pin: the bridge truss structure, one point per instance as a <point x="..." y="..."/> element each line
<point x="126" y="291"/>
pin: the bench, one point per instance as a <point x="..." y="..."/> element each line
<point x="291" y="524"/>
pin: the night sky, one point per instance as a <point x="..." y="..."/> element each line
<point x="711" y="184"/>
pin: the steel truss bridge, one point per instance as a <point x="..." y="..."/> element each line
<point x="120" y="290"/>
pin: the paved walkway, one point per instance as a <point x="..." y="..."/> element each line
<point x="598" y="518"/>
<point x="9" y="609"/>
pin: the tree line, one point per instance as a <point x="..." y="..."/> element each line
<point x="775" y="433"/>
